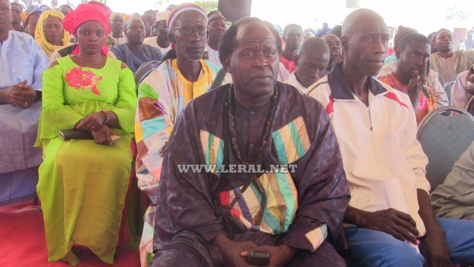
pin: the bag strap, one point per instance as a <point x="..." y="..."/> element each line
<point x="66" y="50"/>
<point x="219" y="78"/>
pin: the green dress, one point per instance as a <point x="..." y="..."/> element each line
<point x="82" y="185"/>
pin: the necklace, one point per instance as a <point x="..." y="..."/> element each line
<point x="229" y="104"/>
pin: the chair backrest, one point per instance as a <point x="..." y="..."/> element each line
<point x="145" y="69"/>
<point x="443" y="139"/>
<point x="447" y="88"/>
<point x="470" y="106"/>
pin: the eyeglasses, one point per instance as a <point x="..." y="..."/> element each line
<point x="188" y="31"/>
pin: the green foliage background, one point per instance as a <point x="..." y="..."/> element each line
<point x="207" y="5"/>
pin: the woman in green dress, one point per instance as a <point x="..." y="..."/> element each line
<point x="83" y="183"/>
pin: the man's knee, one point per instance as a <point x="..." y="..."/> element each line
<point x="325" y="255"/>
<point x="459" y="239"/>
<point x="375" y="248"/>
<point x="401" y="254"/>
<point x="183" y="249"/>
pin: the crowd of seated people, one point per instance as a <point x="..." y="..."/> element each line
<point x="306" y="121"/>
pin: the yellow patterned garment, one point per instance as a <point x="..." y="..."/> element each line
<point x="161" y="98"/>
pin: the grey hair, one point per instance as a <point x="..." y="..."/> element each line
<point x="111" y="18"/>
<point x="130" y="20"/>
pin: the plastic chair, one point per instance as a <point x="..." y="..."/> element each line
<point x="145" y="69"/>
<point x="443" y="139"/>
<point x="447" y="88"/>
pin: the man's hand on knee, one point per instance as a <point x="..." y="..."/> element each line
<point x="396" y="223"/>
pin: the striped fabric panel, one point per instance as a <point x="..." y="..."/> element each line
<point x="180" y="101"/>
<point x="152" y="126"/>
<point x="291" y="141"/>
<point x="271" y="213"/>
<point x="145" y="90"/>
<point x="212" y="149"/>
<point x="280" y="208"/>
<point x="290" y="196"/>
<point x="138" y="132"/>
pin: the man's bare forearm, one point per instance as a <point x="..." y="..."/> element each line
<point x="426" y="212"/>
<point x="356" y="216"/>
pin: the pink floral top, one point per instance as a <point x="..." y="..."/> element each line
<point x="83" y="79"/>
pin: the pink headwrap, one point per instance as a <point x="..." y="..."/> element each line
<point x="84" y="12"/>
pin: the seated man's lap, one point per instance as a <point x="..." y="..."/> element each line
<point x="187" y="247"/>
<point x="459" y="236"/>
<point x="375" y="248"/>
<point x="325" y="255"/>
